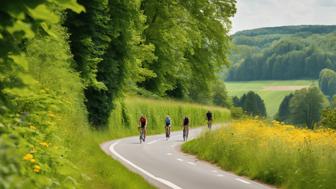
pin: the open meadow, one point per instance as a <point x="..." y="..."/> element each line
<point x="272" y="92"/>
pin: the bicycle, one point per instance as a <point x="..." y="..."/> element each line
<point x="185" y="132"/>
<point x="142" y="134"/>
<point x="167" y="132"/>
<point x="209" y="124"/>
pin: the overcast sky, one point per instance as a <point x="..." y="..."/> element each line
<point x="264" y="13"/>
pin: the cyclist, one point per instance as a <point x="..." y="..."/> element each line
<point x="143" y="127"/>
<point x="209" y="118"/>
<point x="168" y="126"/>
<point x="185" y="128"/>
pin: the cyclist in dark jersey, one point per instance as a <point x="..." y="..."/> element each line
<point x="209" y="118"/>
<point x="167" y="126"/>
<point x="143" y="125"/>
<point x="185" y="128"/>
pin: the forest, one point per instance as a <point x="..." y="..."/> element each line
<point x="282" y="53"/>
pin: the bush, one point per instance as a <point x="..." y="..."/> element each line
<point x="236" y="112"/>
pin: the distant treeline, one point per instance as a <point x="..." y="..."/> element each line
<point x="283" y="53"/>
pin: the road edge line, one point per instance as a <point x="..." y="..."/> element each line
<point x="163" y="181"/>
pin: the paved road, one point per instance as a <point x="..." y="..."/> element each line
<point x="163" y="164"/>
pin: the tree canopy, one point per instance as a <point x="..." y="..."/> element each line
<point x="327" y="82"/>
<point x="251" y="103"/>
<point x="306" y="106"/>
<point x="282" y="53"/>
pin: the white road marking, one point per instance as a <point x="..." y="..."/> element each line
<point x="191" y="163"/>
<point x="243" y="181"/>
<point x="179" y="159"/>
<point x="214" y="171"/>
<point x="169" y="154"/>
<point x="220" y="175"/>
<point x="153" y="141"/>
<point x="166" y="182"/>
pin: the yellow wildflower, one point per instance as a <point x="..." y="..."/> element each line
<point x="50" y="114"/>
<point x="44" y="144"/>
<point x="33" y="160"/>
<point x="37" y="168"/>
<point x="32" y="127"/>
<point x="28" y="157"/>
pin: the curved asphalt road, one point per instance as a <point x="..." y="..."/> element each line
<point x="163" y="164"/>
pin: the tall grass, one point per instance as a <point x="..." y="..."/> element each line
<point x="277" y="154"/>
<point x="127" y="113"/>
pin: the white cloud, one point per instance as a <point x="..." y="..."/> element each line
<point x="265" y="13"/>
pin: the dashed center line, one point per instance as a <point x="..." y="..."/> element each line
<point x="191" y="163"/>
<point x="243" y="181"/>
<point x="179" y="159"/>
<point x="153" y="141"/>
<point x="220" y="175"/>
<point x="169" y="154"/>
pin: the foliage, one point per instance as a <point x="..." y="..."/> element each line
<point x="284" y="109"/>
<point x="191" y="44"/>
<point x="271" y="152"/>
<point x="283" y="53"/>
<point x="306" y="106"/>
<point x="327" y="82"/>
<point x="220" y="95"/>
<point x="328" y="118"/>
<point x="251" y="103"/>
<point x="109" y="50"/>
<point x="30" y="156"/>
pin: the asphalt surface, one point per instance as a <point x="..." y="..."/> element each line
<point x="161" y="163"/>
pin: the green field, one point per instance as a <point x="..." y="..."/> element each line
<point x="272" y="92"/>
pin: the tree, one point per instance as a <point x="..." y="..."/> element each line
<point x="306" y="106"/>
<point x="191" y="45"/>
<point x="109" y="52"/>
<point x="327" y="82"/>
<point x="220" y="96"/>
<point x="284" y="109"/>
<point x="252" y="104"/>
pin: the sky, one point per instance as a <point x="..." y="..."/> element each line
<point x="266" y="13"/>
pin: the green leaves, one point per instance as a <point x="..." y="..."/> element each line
<point x="42" y="12"/>
<point x="71" y="4"/>
<point x="20" y="26"/>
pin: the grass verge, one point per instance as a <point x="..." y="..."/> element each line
<point x="271" y="152"/>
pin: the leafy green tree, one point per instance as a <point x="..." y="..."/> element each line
<point x="109" y="51"/>
<point x="306" y="106"/>
<point x="236" y="101"/>
<point x="220" y="96"/>
<point x="327" y="82"/>
<point x="284" y="109"/>
<point x="252" y="104"/>
<point x="191" y="44"/>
